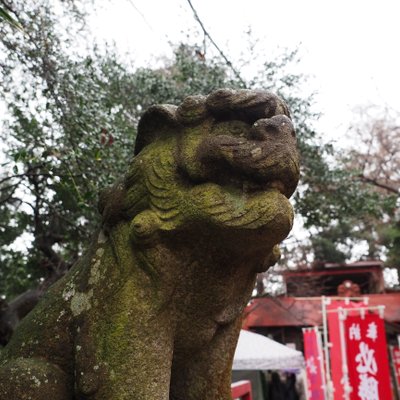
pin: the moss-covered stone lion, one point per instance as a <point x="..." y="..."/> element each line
<point x="153" y="310"/>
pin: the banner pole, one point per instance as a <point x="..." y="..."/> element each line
<point x="345" y="369"/>
<point x="321" y="358"/>
<point x="304" y="376"/>
<point x="328" y="386"/>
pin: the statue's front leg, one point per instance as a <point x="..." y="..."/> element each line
<point x="206" y="374"/>
<point x="132" y="363"/>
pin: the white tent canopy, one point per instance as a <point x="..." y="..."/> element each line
<point x="255" y="351"/>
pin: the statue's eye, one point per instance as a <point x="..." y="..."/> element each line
<point x="234" y="128"/>
<point x="238" y="128"/>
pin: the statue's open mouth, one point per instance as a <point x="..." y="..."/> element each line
<point x="275" y="184"/>
<point x="262" y="157"/>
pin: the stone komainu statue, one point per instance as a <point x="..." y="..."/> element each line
<point x="153" y="310"/>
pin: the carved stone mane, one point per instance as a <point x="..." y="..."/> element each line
<point x="153" y="310"/>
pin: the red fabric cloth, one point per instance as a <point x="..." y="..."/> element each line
<point x="367" y="357"/>
<point x="396" y="365"/>
<point x="335" y="353"/>
<point x="314" y="359"/>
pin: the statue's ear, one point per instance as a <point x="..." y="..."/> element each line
<point x="158" y="121"/>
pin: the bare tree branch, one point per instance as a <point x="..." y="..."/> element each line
<point x="379" y="184"/>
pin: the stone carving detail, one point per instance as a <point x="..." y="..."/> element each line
<point x="153" y="310"/>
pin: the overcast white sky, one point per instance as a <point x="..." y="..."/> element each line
<point x="349" y="47"/>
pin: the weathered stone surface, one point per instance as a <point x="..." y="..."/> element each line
<point x="153" y="310"/>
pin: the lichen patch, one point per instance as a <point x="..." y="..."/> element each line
<point x="68" y="292"/>
<point x="95" y="273"/>
<point x="81" y="302"/>
<point x="101" y="238"/>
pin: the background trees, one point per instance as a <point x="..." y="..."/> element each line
<point x="376" y="159"/>
<point x="72" y="110"/>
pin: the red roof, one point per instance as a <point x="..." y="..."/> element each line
<point x="368" y="263"/>
<point x="295" y="311"/>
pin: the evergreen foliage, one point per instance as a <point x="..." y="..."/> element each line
<point x="71" y="126"/>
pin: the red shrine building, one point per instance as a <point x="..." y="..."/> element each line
<point x="282" y="318"/>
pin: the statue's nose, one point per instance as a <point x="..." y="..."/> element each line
<point x="279" y="125"/>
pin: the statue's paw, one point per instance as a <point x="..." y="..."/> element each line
<point x="274" y="257"/>
<point x="144" y="225"/>
<point x="271" y="259"/>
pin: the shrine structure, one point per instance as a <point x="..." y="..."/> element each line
<point x="282" y="318"/>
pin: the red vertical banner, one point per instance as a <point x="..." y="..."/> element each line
<point x="314" y="363"/>
<point x="367" y="357"/>
<point x="395" y="351"/>
<point x="335" y="347"/>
